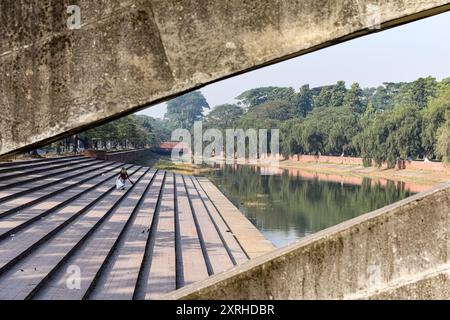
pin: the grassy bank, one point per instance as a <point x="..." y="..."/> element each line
<point x="164" y="163"/>
<point x="426" y="177"/>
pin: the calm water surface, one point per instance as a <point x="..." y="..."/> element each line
<point x="287" y="207"/>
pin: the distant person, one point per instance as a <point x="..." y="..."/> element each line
<point x="121" y="180"/>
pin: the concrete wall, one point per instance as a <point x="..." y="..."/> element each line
<point x="401" y="251"/>
<point x="132" y="53"/>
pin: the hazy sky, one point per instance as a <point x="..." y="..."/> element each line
<point x="404" y="53"/>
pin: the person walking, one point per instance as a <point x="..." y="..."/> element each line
<point x="121" y="180"/>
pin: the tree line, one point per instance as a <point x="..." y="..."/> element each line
<point x="133" y="131"/>
<point x="381" y="124"/>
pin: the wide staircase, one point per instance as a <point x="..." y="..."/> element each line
<point x="67" y="233"/>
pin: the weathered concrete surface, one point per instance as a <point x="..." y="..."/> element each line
<point x="131" y="53"/>
<point x="398" y="252"/>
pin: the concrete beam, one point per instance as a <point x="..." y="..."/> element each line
<point x="401" y="251"/>
<point x="129" y="54"/>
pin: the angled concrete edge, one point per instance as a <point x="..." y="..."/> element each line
<point x="400" y="251"/>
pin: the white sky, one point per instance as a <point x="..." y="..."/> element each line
<point x="404" y="53"/>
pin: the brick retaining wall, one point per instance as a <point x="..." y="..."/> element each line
<point x="419" y="165"/>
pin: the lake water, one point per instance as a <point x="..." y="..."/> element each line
<point x="289" y="205"/>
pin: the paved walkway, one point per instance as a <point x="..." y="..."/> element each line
<point x="67" y="233"/>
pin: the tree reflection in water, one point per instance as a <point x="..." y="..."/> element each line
<point x="287" y="207"/>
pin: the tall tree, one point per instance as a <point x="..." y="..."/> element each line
<point x="443" y="140"/>
<point x="159" y="129"/>
<point x="252" y="98"/>
<point x="354" y="98"/>
<point x="384" y="96"/>
<point x="391" y="135"/>
<point x="322" y="100"/>
<point x="186" y="109"/>
<point x="304" y="101"/>
<point x="434" y="117"/>
<point x="224" y="116"/>
<point x="268" y="115"/>
<point x="416" y="93"/>
<point x="422" y="90"/>
<point x="338" y="94"/>
<point x="405" y="128"/>
<point x="290" y="131"/>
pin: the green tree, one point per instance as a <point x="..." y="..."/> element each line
<point x="384" y="96"/>
<point x="183" y="111"/>
<point x="443" y="140"/>
<point x="160" y="129"/>
<point x="322" y="100"/>
<point x="328" y="131"/>
<point x="290" y="131"/>
<point x="268" y="115"/>
<point x="391" y="135"/>
<point x="418" y="92"/>
<point x="354" y="98"/>
<point x="304" y="101"/>
<point x="434" y="117"/>
<point x="405" y="130"/>
<point x="371" y="142"/>
<point x="338" y="93"/>
<point x="344" y="125"/>
<point x="224" y="116"/>
<point x="125" y="132"/>
<point x="254" y="97"/>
